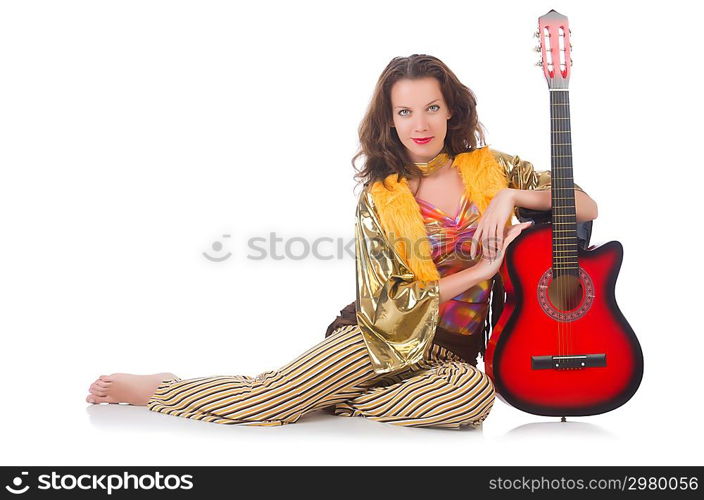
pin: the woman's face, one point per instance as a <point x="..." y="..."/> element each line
<point x="419" y="112"/>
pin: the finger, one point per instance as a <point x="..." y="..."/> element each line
<point x="499" y="237"/>
<point x="486" y="242"/>
<point x="489" y="248"/>
<point x="475" y="242"/>
<point x="494" y="238"/>
<point x="514" y="231"/>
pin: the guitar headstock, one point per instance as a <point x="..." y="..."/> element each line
<point x="555" y="48"/>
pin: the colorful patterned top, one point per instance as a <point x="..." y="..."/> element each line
<point x="451" y="244"/>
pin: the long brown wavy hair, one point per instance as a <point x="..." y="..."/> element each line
<point x="383" y="151"/>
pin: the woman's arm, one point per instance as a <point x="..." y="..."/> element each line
<point x="456" y="283"/>
<point x="531" y="183"/>
<point x="586" y="208"/>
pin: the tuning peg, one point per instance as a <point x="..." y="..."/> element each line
<point x="538" y="48"/>
<point x="537" y="34"/>
<point x="539" y="63"/>
<point x="571" y="62"/>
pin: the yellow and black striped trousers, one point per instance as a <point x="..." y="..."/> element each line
<point x="440" y="391"/>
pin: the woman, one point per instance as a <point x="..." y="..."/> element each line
<point x="425" y="263"/>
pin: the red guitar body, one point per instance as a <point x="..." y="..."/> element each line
<point x="546" y="360"/>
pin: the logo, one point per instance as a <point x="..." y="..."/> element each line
<point x="102" y="482"/>
<point x="17" y="483"/>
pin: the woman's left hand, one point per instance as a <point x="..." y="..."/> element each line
<point x="492" y="222"/>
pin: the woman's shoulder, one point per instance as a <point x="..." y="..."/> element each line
<point x="496" y="153"/>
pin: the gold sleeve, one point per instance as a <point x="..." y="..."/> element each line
<point x="522" y="175"/>
<point x="396" y="313"/>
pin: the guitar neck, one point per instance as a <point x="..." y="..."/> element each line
<point x="564" y="219"/>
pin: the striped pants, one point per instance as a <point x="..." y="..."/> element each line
<point x="440" y="391"/>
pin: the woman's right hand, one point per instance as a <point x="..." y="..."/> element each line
<point x="490" y="262"/>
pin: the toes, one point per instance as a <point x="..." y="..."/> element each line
<point x="96" y="389"/>
<point x="100" y="399"/>
<point x="106" y="378"/>
<point x="102" y="383"/>
<point x="98" y="392"/>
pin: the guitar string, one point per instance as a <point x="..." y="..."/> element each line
<point x="561" y="211"/>
<point x="558" y="210"/>
<point x="564" y="212"/>
<point x="565" y="252"/>
<point x="572" y="220"/>
<point x="556" y="189"/>
<point x="572" y="225"/>
<point x="564" y="240"/>
<point x="557" y="213"/>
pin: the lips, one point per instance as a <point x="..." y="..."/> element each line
<point x="422" y="140"/>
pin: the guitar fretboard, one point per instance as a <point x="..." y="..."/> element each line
<point x="564" y="221"/>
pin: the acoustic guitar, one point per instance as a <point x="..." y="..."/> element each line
<point x="561" y="346"/>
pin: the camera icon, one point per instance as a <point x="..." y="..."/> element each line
<point x="17" y="483"/>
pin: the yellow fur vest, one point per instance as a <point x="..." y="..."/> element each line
<point x="400" y="214"/>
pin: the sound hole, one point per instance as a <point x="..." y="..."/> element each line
<point x="565" y="292"/>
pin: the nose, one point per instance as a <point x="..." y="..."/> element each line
<point x="421" y="124"/>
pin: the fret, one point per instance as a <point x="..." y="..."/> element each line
<point x="563" y="268"/>
<point x="563" y="222"/>
<point x="563" y="230"/>
<point x="561" y="131"/>
<point x="562" y="156"/>
<point x="559" y="118"/>
<point x="562" y="144"/>
<point x="564" y="238"/>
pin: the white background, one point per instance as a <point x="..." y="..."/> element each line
<point x="135" y="134"/>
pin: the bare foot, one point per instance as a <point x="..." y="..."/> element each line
<point x="126" y="388"/>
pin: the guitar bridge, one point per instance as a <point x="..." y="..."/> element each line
<point x="571" y="362"/>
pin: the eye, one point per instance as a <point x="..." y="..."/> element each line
<point x="429" y="107"/>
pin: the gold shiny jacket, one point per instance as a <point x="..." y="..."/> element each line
<point x="398" y="313"/>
